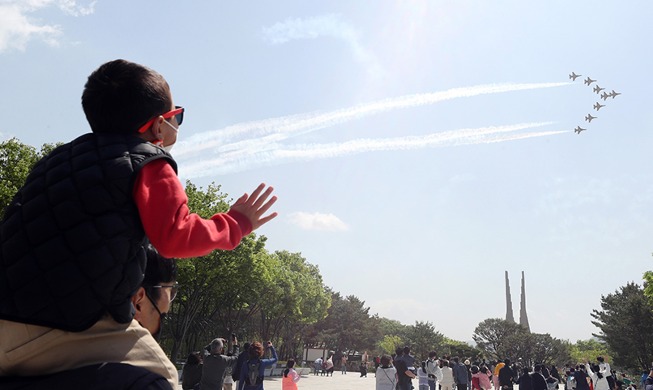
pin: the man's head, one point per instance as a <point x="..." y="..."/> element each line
<point x="152" y="299"/>
<point x="406" y="350"/>
<point x="507" y="362"/>
<point x="433" y="355"/>
<point x="399" y="351"/>
<point x="537" y="368"/>
<point x="217" y="346"/>
<point x="600" y="359"/>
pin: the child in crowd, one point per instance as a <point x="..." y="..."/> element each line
<point x="423" y="377"/>
<point x="290" y="376"/>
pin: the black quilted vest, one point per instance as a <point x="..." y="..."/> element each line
<point x="72" y="242"/>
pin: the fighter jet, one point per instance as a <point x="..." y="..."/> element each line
<point x="588" y="81"/>
<point x="578" y="129"/>
<point x="613" y="94"/>
<point x="573" y="76"/>
<point x="598" y="106"/>
<point x="589" y="117"/>
<point x="597" y="89"/>
<point x="604" y="96"/>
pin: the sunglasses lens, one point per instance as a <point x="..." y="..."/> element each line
<point x="180" y="117"/>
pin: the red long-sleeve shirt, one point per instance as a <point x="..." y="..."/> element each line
<point x="172" y="229"/>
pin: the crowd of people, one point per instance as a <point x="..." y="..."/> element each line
<point x="220" y="367"/>
<point x="398" y="371"/>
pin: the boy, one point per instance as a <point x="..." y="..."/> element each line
<point x="73" y="238"/>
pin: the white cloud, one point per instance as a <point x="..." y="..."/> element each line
<point x="323" y="26"/>
<point x="318" y="221"/>
<point x="17" y="28"/>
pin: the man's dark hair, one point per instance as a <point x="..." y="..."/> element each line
<point x="406" y="350"/>
<point x="159" y="270"/>
<point x="507" y="362"/>
<point x="432" y="354"/>
<point x="455" y="359"/>
<point x="600" y="358"/>
<point x="399" y="351"/>
<point x="121" y="96"/>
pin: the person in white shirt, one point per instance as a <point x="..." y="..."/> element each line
<point x="433" y="370"/>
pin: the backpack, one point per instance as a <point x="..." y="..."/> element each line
<point x="253" y="378"/>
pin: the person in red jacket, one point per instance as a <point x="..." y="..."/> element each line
<point x="72" y="240"/>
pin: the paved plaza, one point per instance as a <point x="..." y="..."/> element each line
<point x="350" y="381"/>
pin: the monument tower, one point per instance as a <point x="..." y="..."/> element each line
<point x="523" y="318"/>
<point x="509" y="316"/>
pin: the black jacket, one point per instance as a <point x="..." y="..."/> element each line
<point x="72" y="242"/>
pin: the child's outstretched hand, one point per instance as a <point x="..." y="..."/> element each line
<point x="254" y="206"/>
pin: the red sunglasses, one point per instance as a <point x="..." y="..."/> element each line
<point x="178" y="113"/>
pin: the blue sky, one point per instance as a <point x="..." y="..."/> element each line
<point x="419" y="149"/>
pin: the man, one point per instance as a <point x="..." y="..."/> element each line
<point x="404" y="375"/>
<point x="604" y="369"/>
<point x="506" y="376"/>
<point x="433" y="369"/>
<point x="539" y="383"/>
<point x="151" y="303"/>
<point x="216" y="364"/>
<point x="159" y="288"/>
<point x="242" y="358"/>
<point x="460" y="374"/>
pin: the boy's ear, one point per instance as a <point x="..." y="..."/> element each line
<point x="157" y="129"/>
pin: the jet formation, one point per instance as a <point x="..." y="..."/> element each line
<point x="597" y="90"/>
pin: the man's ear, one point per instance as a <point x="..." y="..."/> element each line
<point x="138" y="299"/>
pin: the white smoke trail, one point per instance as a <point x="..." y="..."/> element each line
<point x="260" y="133"/>
<point x="279" y="154"/>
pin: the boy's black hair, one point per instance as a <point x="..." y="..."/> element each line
<point x="121" y="96"/>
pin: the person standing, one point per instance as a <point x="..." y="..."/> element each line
<point x="433" y="370"/>
<point x="192" y="372"/>
<point x="423" y="377"/>
<point x="604" y="369"/>
<point x="460" y="374"/>
<point x="317" y="366"/>
<point x="290" y="376"/>
<point x="506" y="376"/>
<point x="404" y="375"/>
<point x="216" y="364"/>
<point x="447" y="381"/>
<point x="343" y="364"/>
<point x="253" y="370"/>
<point x="539" y="383"/>
<point x="386" y="375"/>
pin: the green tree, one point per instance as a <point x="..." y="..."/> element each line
<point x="348" y="326"/>
<point x="16" y="161"/>
<point x="493" y="337"/>
<point x="389" y="344"/>
<point x="461" y="349"/>
<point x="626" y="324"/>
<point x="588" y="350"/>
<point x="423" y="338"/>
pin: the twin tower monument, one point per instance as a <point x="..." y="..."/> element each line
<point x="523" y="317"/>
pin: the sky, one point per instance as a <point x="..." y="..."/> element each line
<point x="419" y="149"/>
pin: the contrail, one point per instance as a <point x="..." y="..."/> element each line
<point x="258" y="133"/>
<point x="279" y="154"/>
